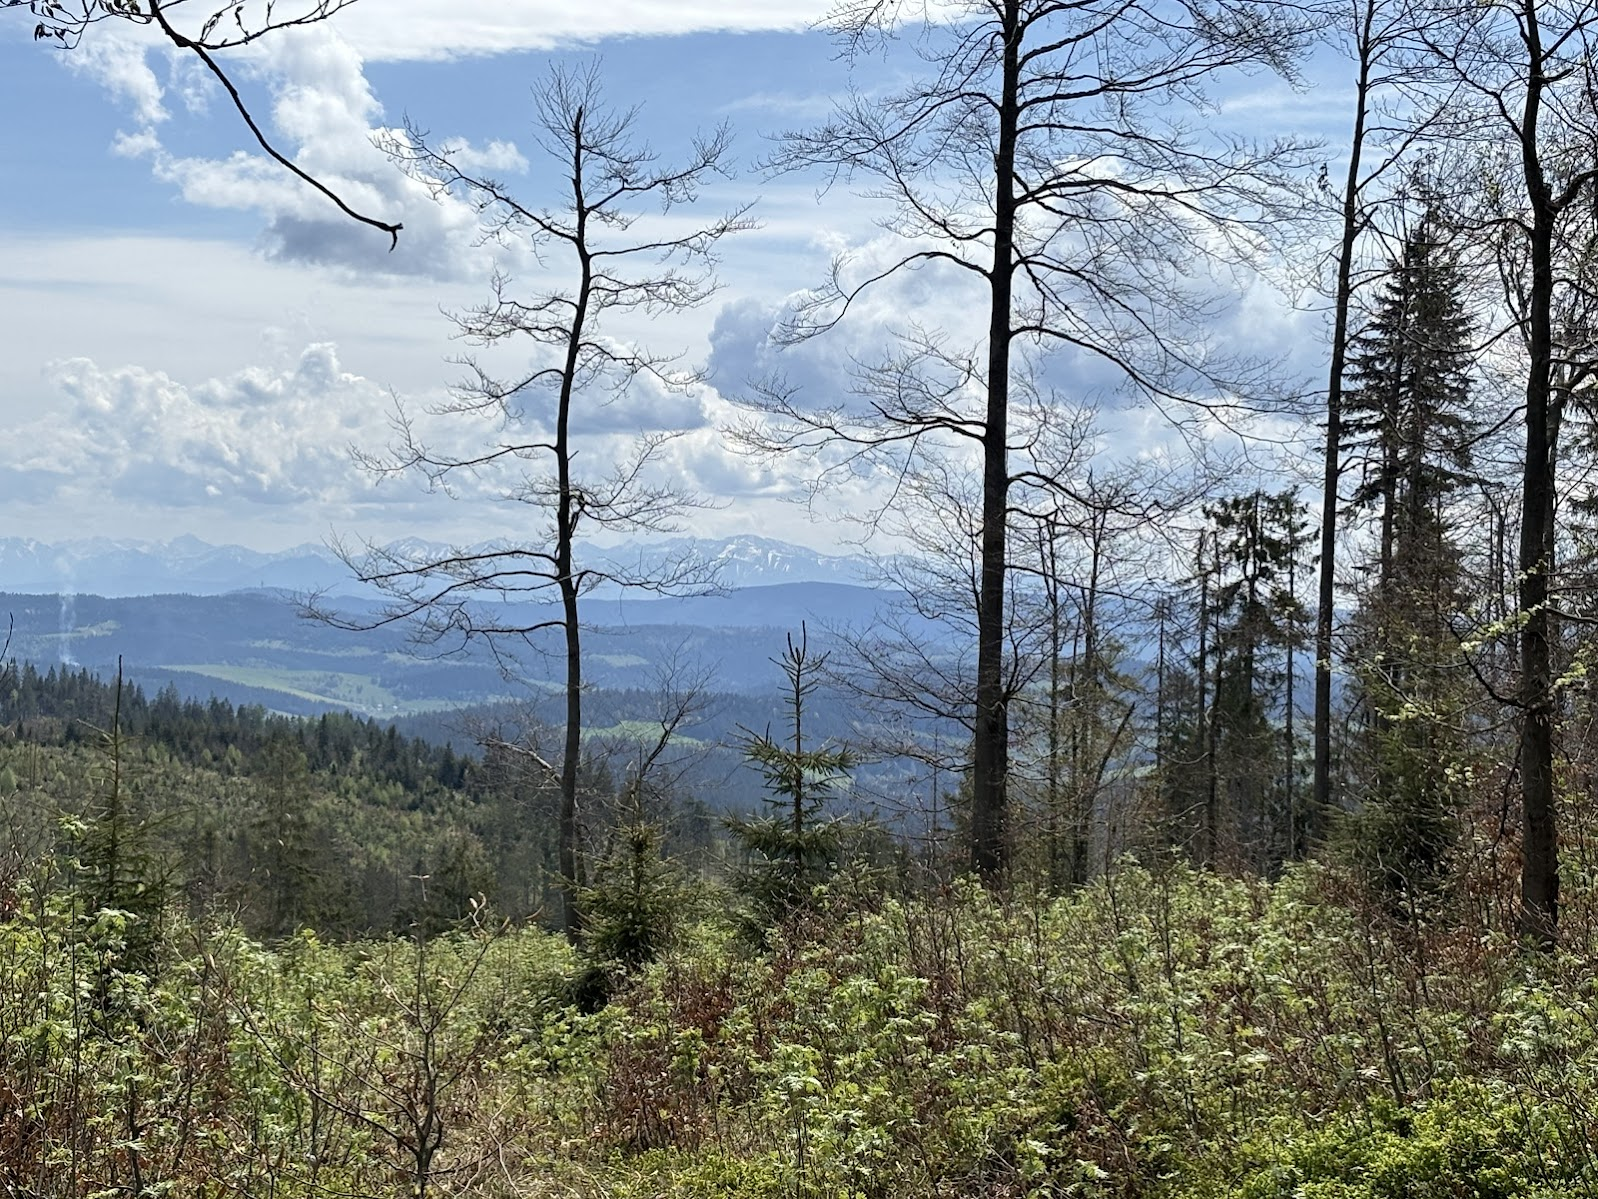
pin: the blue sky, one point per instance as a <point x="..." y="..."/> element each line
<point x="193" y="342"/>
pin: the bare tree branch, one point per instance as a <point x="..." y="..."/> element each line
<point x="65" y="25"/>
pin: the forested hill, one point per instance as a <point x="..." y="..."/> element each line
<point x="63" y="707"/>
<point x="334" y="823"/>
<point x="66" y="706"/>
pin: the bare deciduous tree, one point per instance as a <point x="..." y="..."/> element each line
<point x="532" y="419"/>
<point x="1046" y="159"/>
<point x="1379" y="37"/>
<point x="1529" y="69"/>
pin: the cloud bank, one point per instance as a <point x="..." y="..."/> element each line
<point x="412" y="30"/>
<point x="324" y="115"/>
<point x="259" y="436"/>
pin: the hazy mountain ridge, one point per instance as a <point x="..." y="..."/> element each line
<point x="123" y="568"/>
<point x="747" y="561"/>
<point x="187" y="565"/>
<point x="252" y="646"/>
<point x="223" y="620"/>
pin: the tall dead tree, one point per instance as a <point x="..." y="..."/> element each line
<point x="1045" y="160"/>
<point x="531" y="421"/>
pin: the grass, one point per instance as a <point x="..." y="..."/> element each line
<point x="642" y="731"/>
<point x="358" y="692"/>
<point x="289" y="647"/>
<point x="620" y="661"/>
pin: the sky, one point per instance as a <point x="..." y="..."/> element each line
<point x="194" y="343"/>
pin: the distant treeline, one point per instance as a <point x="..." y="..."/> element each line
<point x="64" y="707"/>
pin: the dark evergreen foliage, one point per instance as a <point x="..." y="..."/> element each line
<point x="64" y="706"/>
<point x="1227" y="723"/>
<point x="1412" y="431"/>
<point x="1410" y="423"/>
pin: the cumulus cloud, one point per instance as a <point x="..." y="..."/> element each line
<point x="279" y="438"/>
<point x="497" y="157"/>
<point x="941" y="304"/>
<point x="702" y="462"/>
<point x="325" y="116"/>
<point x="117" y="58"/>
<point x="257" y="437"/>
<point x="1241" y="326"/>
<point x="137" y="144"/>
<point x="647" y="406"/>
<point x="1245" y="317"/>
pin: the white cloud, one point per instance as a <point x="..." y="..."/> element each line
<point x="804" y="107"/>
<point x="702" y="462"/>
<point x="201" y="308"/>
<point x="409" y="30"/>
<point x="202" y="451"/>
<point x="258" y="436"/>
<point x="193" y="83"/>
<point x="116" y="57"/>
<point x="497" y="156"/>
<point x="324" y="116"/>
<point x="113" y="448"/>
<point x="136" y="145"/>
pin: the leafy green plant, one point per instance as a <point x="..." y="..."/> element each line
<point x="1473" y="1139"/>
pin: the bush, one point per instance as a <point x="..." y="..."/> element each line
<point x="1472" y="1140"/>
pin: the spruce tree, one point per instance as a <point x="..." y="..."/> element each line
<point x="284" y="846"/>
<point x="1257" y="622"/>
<point x="1411" y="428"/>
<point x="1409" y="420"/>
<point x="793" y="848"/>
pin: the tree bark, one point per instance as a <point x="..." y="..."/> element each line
<point x="566" y="516"/>
<point x="1539" y="877"/>
<point x="991" y="735"/>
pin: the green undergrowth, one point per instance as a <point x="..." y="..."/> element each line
<point x="1169" y="1034"/>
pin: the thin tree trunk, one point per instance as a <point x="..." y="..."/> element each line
<point x="797" y="697"/>
<point x="1047" y="543"/>
<point x="1289" y="764"/>
<point x="570" y="917"/>
<point x="1207" y="706"/>
<point x="1092" y="693"/>
<point x="1212" y="768"/>
<point x="1159" y="691"/>
<point x="566" y="537"/>
<point x="1321" y="798"/>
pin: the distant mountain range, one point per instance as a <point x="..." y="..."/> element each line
<point x="103" y="566"/>
<point x="222" y="620"/>
<point x="188" y="566"/>
<point x="253" y="647"/>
